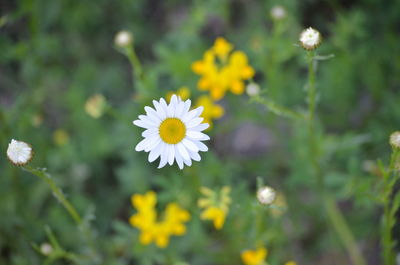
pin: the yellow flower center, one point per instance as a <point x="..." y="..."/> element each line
<point x="172" y="130"/>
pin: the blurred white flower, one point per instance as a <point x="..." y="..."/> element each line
<point x="252" y="89"/>
<point x="310" y="39"/>
<point x="172" y="132"/>
<point x="19" y="153"/>
<point x="266" y="195"/>
<point x="395" y="139"/>
<point x="123" y="39"/>
<point x="46" y="249"/>
<point x="278" y="12"/>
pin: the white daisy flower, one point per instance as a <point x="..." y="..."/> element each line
<point x="19" y="153"/>
<point x="266" y="195"/>
<point x="173" y="132"/>
<point x="310" y="39"/>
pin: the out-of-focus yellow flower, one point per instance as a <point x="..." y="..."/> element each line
<point x="254" y="257"/>
<point x="290" y="263"/>
<point x="211" y="110"/>
<point x="60" y="137"/>
<point x="222" y="48"/>
<point x="215" y="204"/>
<point x="96" y="105"/>
<point x="152" y="229"/>
<point x="183" y="93"/>
<point x="221" y="70"/>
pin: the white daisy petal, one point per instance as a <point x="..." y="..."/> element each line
<point x="164" y="156"/>
<point x="178" y="158"/>
<point x="194" y="122"/>
<point x="194" y="155"/>
<point x="159" y="110"/>
<point x="152" y="114"/>
<point x="182" y="150"/>
<point x="190" y="115"/>
<point x="153" y="143"/>
<point x="141" y="123"/>
<point x="140" y="146"/>
<point x="201" y="127"/>
<point x="171" y="154"/>
<point x="149" y="132"/>
<point x="190" y="145"/>
<point x="164" y="106"/>
<point x="202" y="147"/>
<point x="155" y="152"/>
<point x="187" y="162"/>
<point x="179" y="109"/>
<point x="197" y="135"/>
<point x="187" y="106"/>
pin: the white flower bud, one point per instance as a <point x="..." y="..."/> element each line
<point x="46" y="249"/>
<point x="278" y="12"/>
<point x="395" y="139"/>
<point x="19" y="153"/>
<point x="266" y="195"/>
<point x="252" y="89"/>
<point x="123" y="39"/>
<point x="310" y="39"/>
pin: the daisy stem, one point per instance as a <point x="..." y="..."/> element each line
<point x="333" y="211"/>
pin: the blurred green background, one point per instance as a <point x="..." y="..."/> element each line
<point x="57" y="54"/>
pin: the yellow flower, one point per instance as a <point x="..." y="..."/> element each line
<point x="215" y="204"/>
<point x="254" y="257"/>
<point x="183" y="93"/>
<point x="153" y="230"/>
<point x="211" y="110"/>
<point x="222" y="48"/>
<point x="60" y="137"/>
<point x="217" y="215"/>
<point x="221" y="70"/>
<point x="290" y="263"/>
<point x="96" y="105"/>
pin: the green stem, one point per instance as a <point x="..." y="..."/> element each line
<point x="335" y="215"/>
<point x="342" y="229"/>
<point x="137" y="70"/>
<point x="390" y="208"/>
<point x="57" y="192"/>
<point x="278" y="109"/>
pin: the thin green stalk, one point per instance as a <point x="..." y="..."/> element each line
<point x="137" y="70"/>
<point x="278" y="109"/>
<point x="134" y="60"/>
<point x="57" y="193"/>
<point x="390" y="207"/>
<point x="335" y="215"/>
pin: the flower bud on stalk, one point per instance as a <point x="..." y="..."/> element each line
<point x="310" y="39"/>
<point x="266" y="195"/>
<point x="19" y="153"/>
<point x="123" y="39"/>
